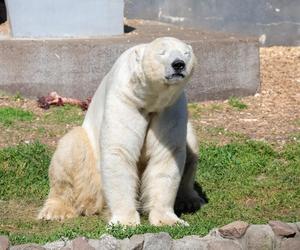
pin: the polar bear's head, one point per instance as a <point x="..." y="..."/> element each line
<point x="168" y="61"/>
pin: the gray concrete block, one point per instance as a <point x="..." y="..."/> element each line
<point x="65" y="18"/>
<point x="227" y="65"/>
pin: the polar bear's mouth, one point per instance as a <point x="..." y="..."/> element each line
<point x="175" y="75"/>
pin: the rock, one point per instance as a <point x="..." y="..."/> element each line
<point x="81" y="243"/>
<point x="94" y="243"/>
<point x="27" y="247"/>
<point x="4" y="243"/>
<point x="282" y="229"/>
<point x="136" y="242"/>
<point x="234" y="230"/>
<point x="294" y="226"/>
<point x="56" y="245"/>
<point x="190" y="243"/>
<point x="160" y="241"/>
<point x="124" y="244"/>
<point x="298" y="225"/>
<point x="108" y="242"/>
<point x="290" y="244"/>
<point x="216" y="244"/>
<point x="259" y="237"/>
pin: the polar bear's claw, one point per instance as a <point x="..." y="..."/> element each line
<point x="132" y="219"/>
<point x="56" y="212"/>
<point x="157" y="218"/>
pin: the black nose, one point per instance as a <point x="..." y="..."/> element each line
<point x="178" y="65"/>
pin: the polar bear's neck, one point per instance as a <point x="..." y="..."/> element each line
<point x="154" y="99"/>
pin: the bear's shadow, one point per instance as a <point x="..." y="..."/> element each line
<point x="192" y="209"/>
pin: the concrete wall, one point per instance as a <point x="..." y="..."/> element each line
<point x="276" y="21"/>
<point x="227" y="65"/>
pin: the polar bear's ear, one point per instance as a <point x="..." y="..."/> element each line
<point x="139" y="52"/>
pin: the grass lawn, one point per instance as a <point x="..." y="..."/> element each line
<point x="243" y="180"/>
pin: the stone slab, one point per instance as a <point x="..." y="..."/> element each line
<point x="227" y="65"/>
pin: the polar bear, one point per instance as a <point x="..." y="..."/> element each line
<point x="136" y="150"/>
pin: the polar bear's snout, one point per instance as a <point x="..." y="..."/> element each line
<point x="178" y="65"/>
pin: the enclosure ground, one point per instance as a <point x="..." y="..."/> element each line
<point x="249" y="158"/>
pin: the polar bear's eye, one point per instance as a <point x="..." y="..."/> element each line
<point x="162" y="52"/>
<point x="187" y="53"/>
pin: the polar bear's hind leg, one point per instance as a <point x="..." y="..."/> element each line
<point x="188" y="199"/>
<point x="75" y="186"/>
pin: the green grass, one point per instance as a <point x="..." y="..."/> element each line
<point x="237" y="103"/>
<point x="214" y="131"/>
<point x="24" y="172"/>
<point x="66" y="114"/>
<point x="8" y="115"/>
<point x="246" y="180"/>
<point x="195" y="109"/>
<point x="18" y="96"/>
<point x="297" y="122"/>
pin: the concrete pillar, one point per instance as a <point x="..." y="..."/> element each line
<point x="65" y="18"/>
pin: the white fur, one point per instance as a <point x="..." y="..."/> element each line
<point x="137" y="128"/>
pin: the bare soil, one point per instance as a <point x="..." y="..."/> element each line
<point x="273" y="115"/>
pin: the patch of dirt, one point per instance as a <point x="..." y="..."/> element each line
<point x="272" y="115"/>
<point x="18" y="209"/>
<point x="39" y="129"/>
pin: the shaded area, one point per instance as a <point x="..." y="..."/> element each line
<point x="3" y="14"/>
<point x="128" y="29"/>
<point x="203" y="199"/>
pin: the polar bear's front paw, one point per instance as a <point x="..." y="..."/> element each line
<point x="56" y="212"/>
<point x="159" y="218"/>
<point x="130" y="219"/>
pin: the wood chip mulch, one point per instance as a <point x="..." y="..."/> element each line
<point x="273" y="114"/>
